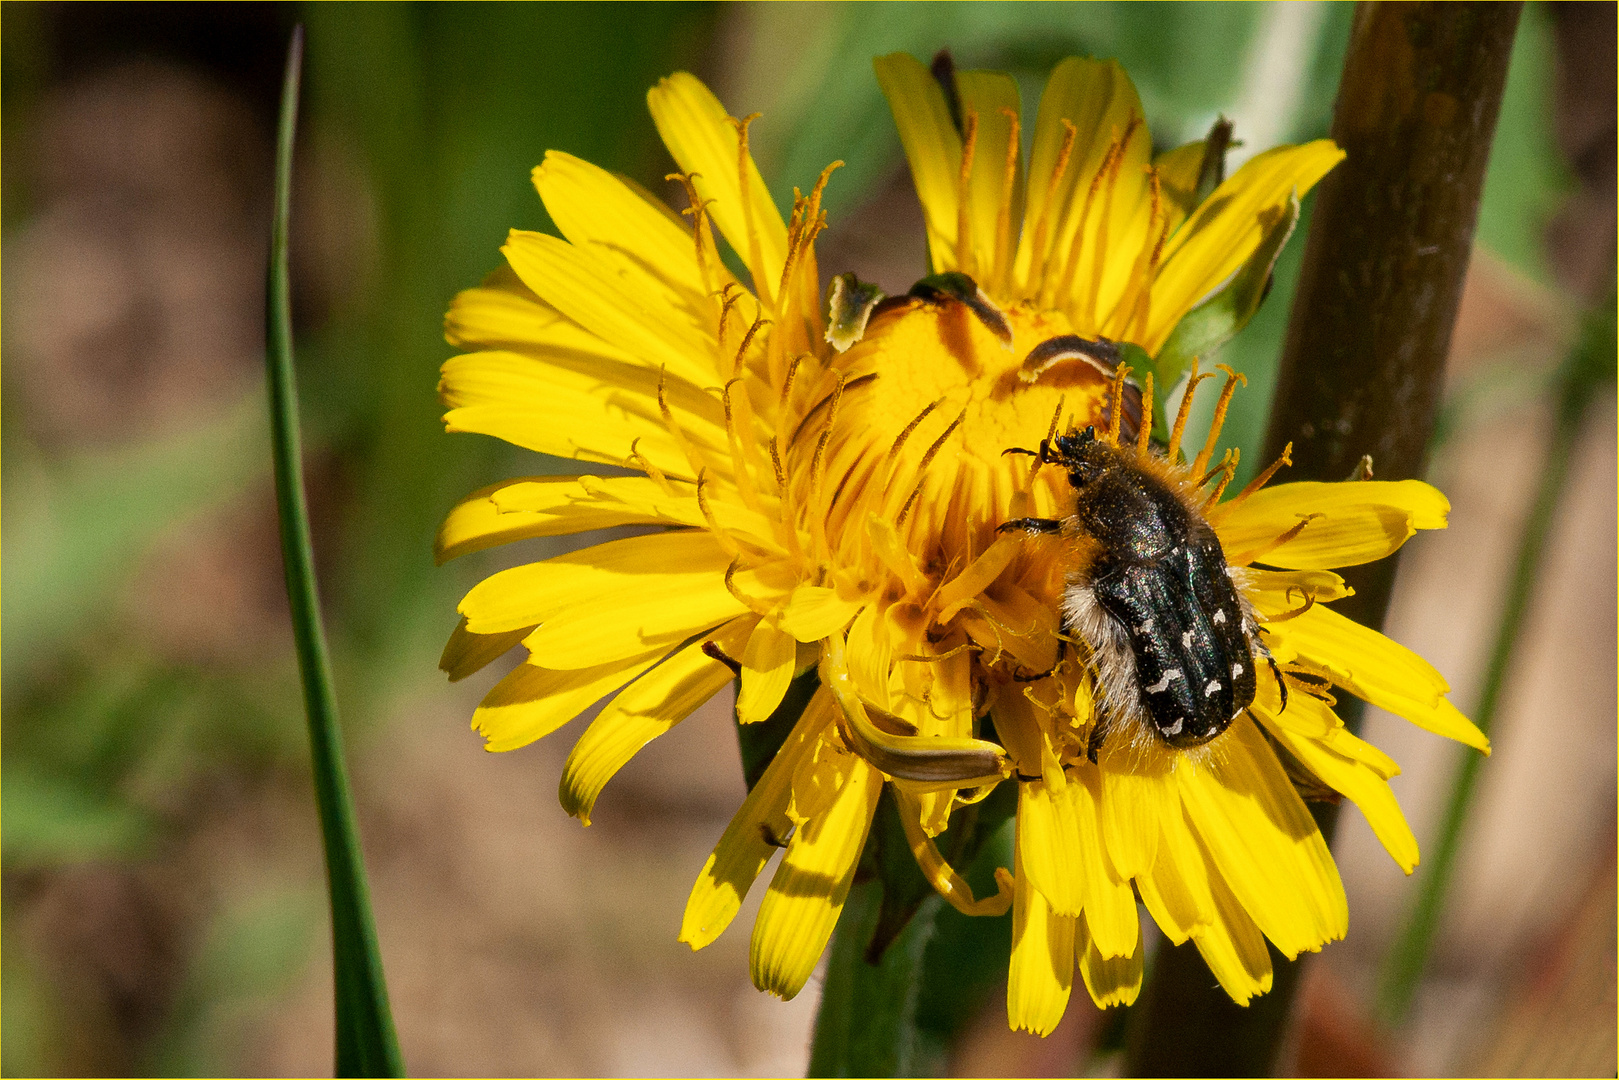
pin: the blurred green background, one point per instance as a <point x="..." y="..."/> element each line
<point x="162" y="891"/>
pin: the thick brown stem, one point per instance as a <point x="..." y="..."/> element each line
<point x="1360" y="374"/>
<point x="1388" y="248"/>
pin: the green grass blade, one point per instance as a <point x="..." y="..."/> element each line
<point x="366" y="1044"/>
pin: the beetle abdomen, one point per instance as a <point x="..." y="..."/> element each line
<point x="1194" y="668"/>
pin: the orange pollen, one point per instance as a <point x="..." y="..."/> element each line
<point x="1230" y="387"/>
<point x="1264" y="478"/>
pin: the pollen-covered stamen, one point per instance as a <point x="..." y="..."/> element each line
<point x="808" y="222"/>
<point x="818" y="461"/>
<point x="747" y="340"/>
<point x="1309" y="602"/>
<point x="723" y="537"/>
<point x="708" y="259"/>
<point x="752" y="603"/>
<point x="784" y="408"/>
<point x="939" y="873"/>
<point x="922" y="469"/>
<point x="1060" y="285"/>
<point x="814" y="502"/>
<point x="1002" y="270"/>
<point x="1042" y="227"/>
<point x="1115" y="419"/>
<point x="922" y="658"/>
<point x="1264" y="478"/>
<point x="1144" y="432"/>
<point x="775" y="463"/>
<point x="730" y="295"/>
<point x="644" y="463"/>
<point x="1226" y="470"/>
<point x="904" y="436"/>
<point x="739" y="432"/>
<point x="755" y="246"/>
<point x="964" y="218"/>
<point x="1099" y="252"/>
<point x="1246" y="557"/>
<point x="1133" y="310"/>
<point x="693" y="458"/>
<point x="1230" y="387"/>
<point x="1225" y="463"/>
<point x="1186" y="409"/>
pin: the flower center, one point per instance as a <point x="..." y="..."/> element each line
<point x="933" y="398"/>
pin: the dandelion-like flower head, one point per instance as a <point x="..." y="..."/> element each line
<point x="831" y="468"/>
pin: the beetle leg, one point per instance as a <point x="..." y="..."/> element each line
<point x="1275" y="668"/>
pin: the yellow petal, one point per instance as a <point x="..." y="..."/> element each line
<point x="1362" y="786"/>
<point x="531" y="702"/>
<point x="603" y="416"/>
<point x="1135" y="795"/>
<point x="1225" y="230"/>
<point x="1099" y="100"/>
<point x="940" y="874"/>
<point x="597" y="211"/>
<point x="559" y="505"/>
<point x="1360" y="521"/>
<point x="501" y="313"/>
<point x="466" y="653"/>
<point x="624" y="623"/>
<point x="1342" y="742"/>
<point x="663" y="564"/>
<point x="870" y="657"/>
<point x="767" y="667"/>
<point x="992" y="96"/>
<point x="1041" y="975"/>
<point x="702" y="140"/>
<point x="626" y="313"/>
<point x="634" y="500"/>
<point x="1233" y="948"/>
<point x="747" y="845"/>
<point x="1110" y="906"/>
<point x="475" y="523"/>
<point x="932" y="147"/>
<point x="1376" y="668"/>
<point x="1305" y="715"/>
<point x="653" y="704"/>
<point x="815" y="612"/>
<point x="809" y="888"/>
<point x="1111" y="980"/>
<point x="1276" y="591"/>
<point x="1049" y="845"/>
<point x="1263" y="841"/>
<point x="1175" y="891"/>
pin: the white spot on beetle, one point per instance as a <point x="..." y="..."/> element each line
<point x="1209" y="690"/>
<point x="1186" y="640"/>
<point x="1175" y="728"/>
<point x="1163" y="684"/>
<point x="1219" y="617"/>
<point x="1236" y="670"/>
<point x="1145" y="627"/>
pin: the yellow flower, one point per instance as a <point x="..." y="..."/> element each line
<point x="837" y="505"/>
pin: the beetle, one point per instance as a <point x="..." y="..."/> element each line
<point x="1172" y="638"/>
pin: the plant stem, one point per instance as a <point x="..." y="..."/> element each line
<point x="366" y="1044"/>
<point x="867" y="1022"/>
<point x="1588" y="365"/>
<point x="1360" y="373"/>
